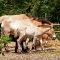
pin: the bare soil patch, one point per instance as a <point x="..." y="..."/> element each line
<point x="52" y="52"/>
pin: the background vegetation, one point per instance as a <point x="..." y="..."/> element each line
<point x="45" y="9"/>
<point x="4" y="39"/>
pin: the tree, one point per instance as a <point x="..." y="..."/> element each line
<point x="46" y="9"/>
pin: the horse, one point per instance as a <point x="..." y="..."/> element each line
<point x="25" y="18"/>
<point x="26" y="31"/>
<point x="13" y="26"/>
<point x="26" y="27"/>
<point x="43" y="38"/>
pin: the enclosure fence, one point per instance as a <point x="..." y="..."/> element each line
<point x="56" y="25"/>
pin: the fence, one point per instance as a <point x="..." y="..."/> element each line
<point x="57" y="30"/>
<point x="56" y="25"/>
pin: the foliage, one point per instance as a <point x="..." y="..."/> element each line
<point x="1" y="45"/>
<point x="46" y="9"/>
<point x="57" y="28"/>
<point x="58" y="35"/>
<point x="5" y="39"/>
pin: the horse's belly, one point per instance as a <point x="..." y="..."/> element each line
<point x="17" y="25"/>
<point x="30" y="31"/>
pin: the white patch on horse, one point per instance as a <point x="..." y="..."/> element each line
<point x="17" y="24"/>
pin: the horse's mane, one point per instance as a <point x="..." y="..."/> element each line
<point x="38" y="19"/>
<point x="44" y="21"/>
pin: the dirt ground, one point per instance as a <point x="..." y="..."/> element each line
<point x="51" y="52"/>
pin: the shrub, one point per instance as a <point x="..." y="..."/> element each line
<point x="58" y="35"/>
<point x="56" y="28"/>
<point x="4" y="39"/>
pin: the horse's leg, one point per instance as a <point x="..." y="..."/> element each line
<point x="19" y="40"/>
<point x="41" y="43"/>
<point x="27" y="40"/>
<point x="16" y="46"/>
<point x="34" y="43"/>
<point x="2" y="51"/>
<point x="22" y="45"/>
<point x="26" y="43"/>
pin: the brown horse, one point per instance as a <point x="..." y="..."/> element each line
<point x="48" y="35"/>
<point x="43" y="38"/>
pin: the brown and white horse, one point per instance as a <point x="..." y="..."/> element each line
<point x="44" y="37"/>
<point x="23" y="25"/>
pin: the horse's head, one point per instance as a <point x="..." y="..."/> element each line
<point x="51" y="34"/>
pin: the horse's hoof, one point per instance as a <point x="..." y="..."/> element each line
<point x="19" y="51"/>
<point x="15" y="51"/>
<point x="42" y="49"/>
